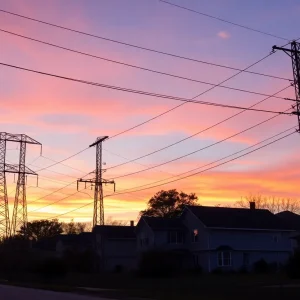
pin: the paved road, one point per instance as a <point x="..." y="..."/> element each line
<point x="18" y="293"/>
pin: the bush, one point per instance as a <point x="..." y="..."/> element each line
<point x="118" y="269"/>
<point x="52" y="268"/>
<point x="217" y="271"/>
<point x="262" y="267"/>
<point x="160" y="263"/>
<point x="293" y="266"/>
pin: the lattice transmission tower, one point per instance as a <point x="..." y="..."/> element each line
<point x="97" y="182"/>
<point x="19" y="217"/>
<point x="4" y="211"/>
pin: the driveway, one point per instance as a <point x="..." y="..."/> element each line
<point x="17" y="293"/>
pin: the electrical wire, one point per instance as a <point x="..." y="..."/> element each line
<point x="112" y="40"/>
<point x="115" y="194"/>
<point x="185" y="100"/>
<point x="201" y="131"/>
<point x="139" y="67"/>
<point x="67" y="158"/>
<point x="223" y="20"/>
<point x="196" y="151"/>
<point x="212" y="163"/>
<point x="51" y="159"/>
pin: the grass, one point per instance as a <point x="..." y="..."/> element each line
<point x="205" y="287"/>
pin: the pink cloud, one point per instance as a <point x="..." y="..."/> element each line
<point x="223" y="35"/>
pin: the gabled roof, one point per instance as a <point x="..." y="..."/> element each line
<point x="83" y="238"/>
<point x="290" y="218"/>
<point x="238" y="218"/>
<point x="158" y="223"/>
<point x="115" y="232"/>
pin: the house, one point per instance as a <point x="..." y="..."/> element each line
<point x="292" y="220"/>
<point x="116" y="247"/>
<point x="160" y="233"/>
<point x="74" y="242"/>
<point x="218" y="237"/>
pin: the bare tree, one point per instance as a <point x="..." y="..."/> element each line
<point x="74" y="227"/>
<point x="112" y="222"/>
<point x="273" y="204"/>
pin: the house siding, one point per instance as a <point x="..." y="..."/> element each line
<point x="119" y="253"/>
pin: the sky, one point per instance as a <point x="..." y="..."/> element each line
<point x="66" y="117"/>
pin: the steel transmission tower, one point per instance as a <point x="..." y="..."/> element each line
<point x="294" y="53"/>
<point x="4" y="211"/>
<point x="20" y="206"/>
<point x="98" y="181"/>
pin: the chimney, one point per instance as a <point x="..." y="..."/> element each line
<point x="252" y="205"/>
<point x="132" y="223"/>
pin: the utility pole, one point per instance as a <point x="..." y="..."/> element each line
<point x="98" y="181"/>
<point x="294" y="53"/>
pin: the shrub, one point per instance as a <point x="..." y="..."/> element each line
<point x="262" y="267"/>
<point x="160" y="263"/>
<point x="118" y="269"/>
<point x="52" y="268"/>
<point x="293" y="266"/>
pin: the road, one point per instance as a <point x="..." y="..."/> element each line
<point x="17" y="293"/>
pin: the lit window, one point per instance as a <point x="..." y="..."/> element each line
<point x="224" y="259"/>
<point x="195" y="236"/>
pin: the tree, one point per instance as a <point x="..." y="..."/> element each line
<point x="74" y="227"/>
<point x="112" y="222"/>
<point x="41" y="229"/>
<point x="273" y="204"/>
<point x="168" y="204"/>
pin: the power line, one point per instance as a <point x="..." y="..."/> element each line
<point x="58" y="162"/>
<point x="201" y="131"/>
<point x="115" y="194"/>
<point x="140" y="92"/>
<point x="206" y="91"/>
<point x="196" y="151"/>
<point x="119" y="42"/>
<point x="199" y="150"/>
<point x="216" y="165"/>
<point x="223" y="20"/>
<point x="127" y="159"/>
<point x="212" y="163"/>
<point x="63" y="164"/>
<point x="59" y="201"/>
<point x="139" y="67"/>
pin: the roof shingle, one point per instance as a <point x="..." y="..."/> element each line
<point x="159" y="223"/>
<point x="115" y="232"/>
<point x="223" y="217"/>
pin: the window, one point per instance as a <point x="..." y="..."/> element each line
<point x="144" y="240"/>
<point x="195" y="236"/>
<point x="224" y="259"/>
<point x="175" y="237"/>
<point x="246" y="259"/>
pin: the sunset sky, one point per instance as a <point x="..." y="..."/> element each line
<point x="67" y="116"/>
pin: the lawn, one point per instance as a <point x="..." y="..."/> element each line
<point x="204" y="287"/>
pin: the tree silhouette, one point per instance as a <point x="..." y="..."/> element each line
<point x="273" y="204"/>
<point x="74" y="227"/>
<point x="40" y="229"/>
<point x="168" y="204"/>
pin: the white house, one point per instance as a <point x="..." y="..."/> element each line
<point x="218" y="237"/>
<point x="116" y="247"/>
